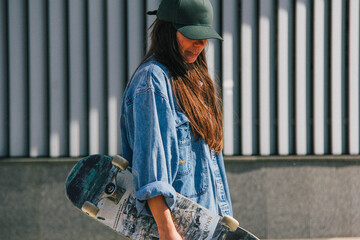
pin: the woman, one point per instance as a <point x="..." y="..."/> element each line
<point x="171" y="121"/>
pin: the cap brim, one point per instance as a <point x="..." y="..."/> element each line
<point x="196" y="32"/>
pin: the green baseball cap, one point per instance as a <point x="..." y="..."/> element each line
<point x="192" y="18"/>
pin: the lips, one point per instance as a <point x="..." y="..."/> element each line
<point x="193" y="53"/>
<point x="196" y="52"/>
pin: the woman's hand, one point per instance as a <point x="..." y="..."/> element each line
<point x="163" y="219"/>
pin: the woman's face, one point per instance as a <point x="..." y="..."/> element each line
<point x="190" y="49"/>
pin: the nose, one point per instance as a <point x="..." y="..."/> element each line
<point x="200" y="42"/>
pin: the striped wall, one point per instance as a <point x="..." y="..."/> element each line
<point x="289" y="72"/>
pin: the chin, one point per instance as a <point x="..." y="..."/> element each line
<point x="191" y="61"/>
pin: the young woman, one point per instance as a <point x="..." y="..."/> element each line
<point x="171" y="120"/>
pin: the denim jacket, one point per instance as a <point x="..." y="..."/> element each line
<point x="164" y="154"/>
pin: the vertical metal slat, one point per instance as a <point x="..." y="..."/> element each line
<point x="116" y="71"/>
<point x="58" y="79"/>
<point x="230" y="78"/>
<point x="301" y="111"/>
<point x="266" y="80"/>
<point x="4" y="82"/>
<point x="283" y="76"/>
<point x="38" y="79"/>
<point x="319" y="77"/>
<point x="354" y="77"/>
<point x="97" y="77"/>
<point x="77" y="78"/>
<point x="18" y="78"/>
<point x="336" y="76"/>
<point x="247" y="76"/>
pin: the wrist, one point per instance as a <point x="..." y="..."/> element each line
<point x="166" y="229"/>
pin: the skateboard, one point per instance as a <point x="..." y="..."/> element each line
<point x="101" y="186"/>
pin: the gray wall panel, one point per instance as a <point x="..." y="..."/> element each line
<point x="293" y="198"/>
<point x="296" y="198"/>
<point x="66" y="64"/>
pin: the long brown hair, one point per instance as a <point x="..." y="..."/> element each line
<point x="191" y="83"/>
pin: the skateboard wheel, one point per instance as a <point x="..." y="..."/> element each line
<point x="90" y="209"/>
<point x="230" y="222"/>
<point x="120" y="162"/>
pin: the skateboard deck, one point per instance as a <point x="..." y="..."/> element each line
<point x="101" y="186"/>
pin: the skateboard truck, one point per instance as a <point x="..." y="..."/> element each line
<point x="111" y="191"/>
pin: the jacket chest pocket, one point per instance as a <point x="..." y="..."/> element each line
<point x="184" y="140"/>
<point x="192" y="177"/>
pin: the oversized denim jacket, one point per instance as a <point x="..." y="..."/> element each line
<point x="164" y="154"/>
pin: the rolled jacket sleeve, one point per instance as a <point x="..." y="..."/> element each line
<point x="152" y="135"/>
<point x="152" y="190"/>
